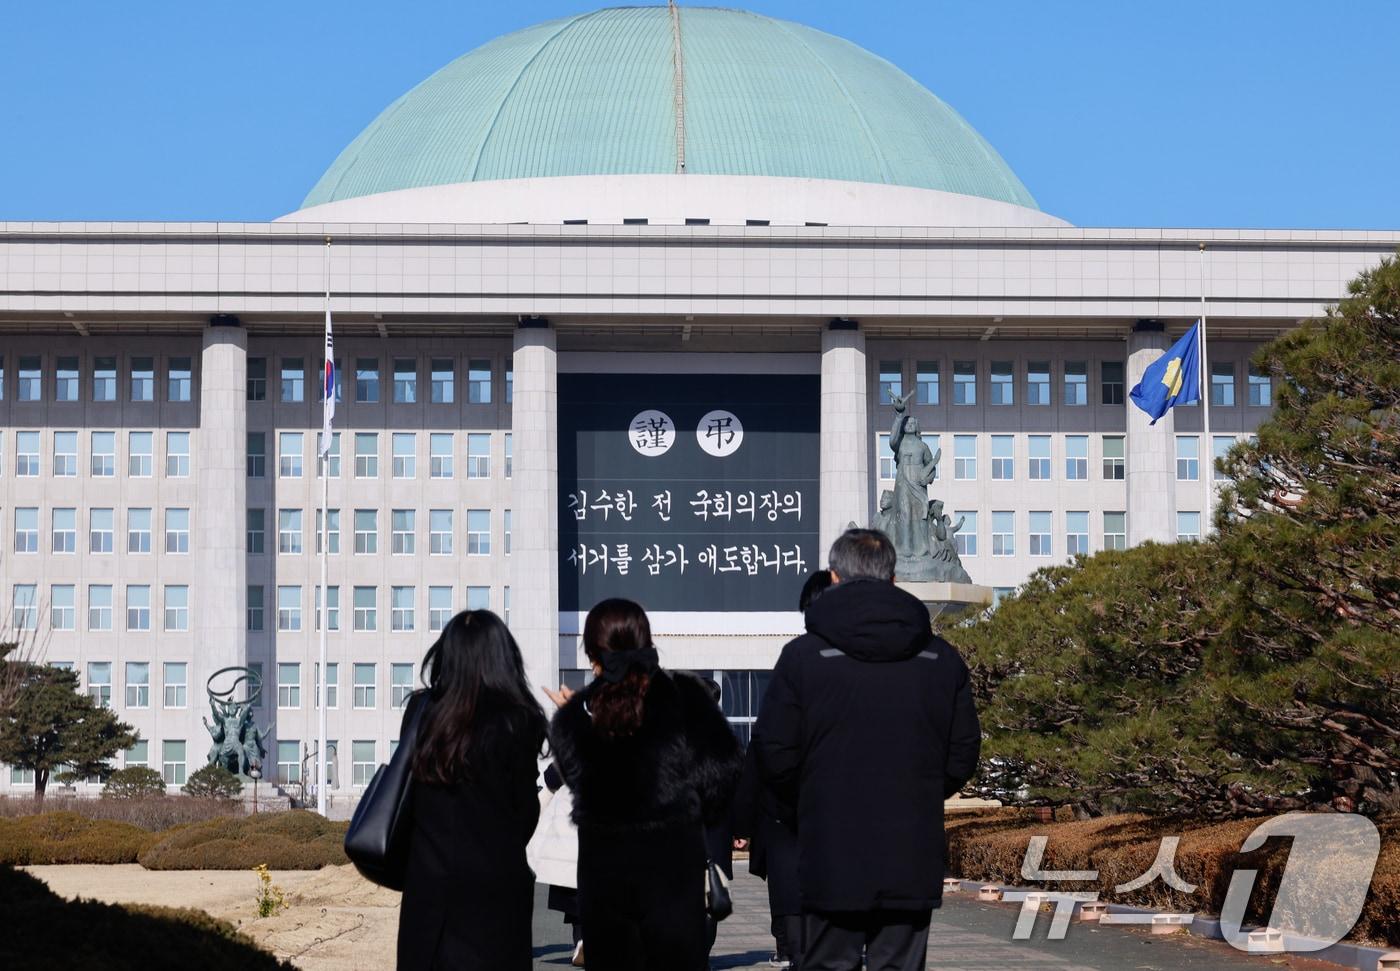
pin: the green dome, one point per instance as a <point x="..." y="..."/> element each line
<point x="596" y="94"/>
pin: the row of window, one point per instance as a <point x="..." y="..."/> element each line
<point x="102" y="452"/>
<point x="403" y="607"/>
<point x="1039" y="456"/>
<point x="403" y="449"/>
<point x="403" y="531"/>
<point x="1039" y="377"/>
<point x="67" y="378"/>
<point x="63" y="532"/>
<point x="1040" y="531"/>
<point x="62" y="607"/>
<point x="403" y="380"/>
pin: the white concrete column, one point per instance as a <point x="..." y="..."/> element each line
<point x="1150" y="449"/>
<point x="845" y="435"/>
<point x="534" y="557"/>
<point x="220" y="581"/>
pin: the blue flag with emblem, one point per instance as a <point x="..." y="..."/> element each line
<point x="1172" y="379"/>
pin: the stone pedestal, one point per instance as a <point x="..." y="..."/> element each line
<point x="948" y="599"/>
<point x="845" y="434"/>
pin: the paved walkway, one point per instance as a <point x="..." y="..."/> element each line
<point x="965" y="936"/>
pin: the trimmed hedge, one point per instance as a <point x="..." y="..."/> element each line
<point x="45" y="931"/>
<point x="65" y="837"/>
<point x="295" y="840"/>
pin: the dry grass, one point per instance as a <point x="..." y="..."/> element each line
<point x="151" y="813"/>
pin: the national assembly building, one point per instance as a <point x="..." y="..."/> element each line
<point x="621" y="305"/>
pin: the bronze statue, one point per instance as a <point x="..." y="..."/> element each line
<point x="238" y="745"/>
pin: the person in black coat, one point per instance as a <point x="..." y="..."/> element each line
<point x="651" y="761"/>
<point x="867" y="727"/>
<point x="468" y="893"/>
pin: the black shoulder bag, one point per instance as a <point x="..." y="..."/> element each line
<point x="377" y="841"/>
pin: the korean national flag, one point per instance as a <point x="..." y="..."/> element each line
<point x="1174" y="378"/>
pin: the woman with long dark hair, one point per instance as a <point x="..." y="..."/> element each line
<point x="468" y="893"/>
<point x="651" y="761"/>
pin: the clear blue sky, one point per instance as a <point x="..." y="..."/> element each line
<point x="1282" y="113"/>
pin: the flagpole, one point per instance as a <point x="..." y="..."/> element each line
<point x="1208" y="467"/>
<point x="324" y="462"/>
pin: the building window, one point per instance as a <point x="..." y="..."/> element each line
<point x="138" y="607"/>
<point x="289" y="455"/>
<point x="100" y="606"/>
<point x="891" y="381"/>
<point x="966" y="536"/>
<point x="367" y="531"/>
<point x="366" y="608"/>
<point x="1003" y="457"/>
<point x="137" y="756"/>
<point x="1038" y="383"/>
<point x="100" y="530"/>
<point x="27" y="454"/>
<point x="256" y="606"/>
<point x="257" y="531"/>
<point x="362" y="763"/>
<point x="1076" y="533"/>
<point x="478" y="456"/>
<point x="1076" y="457"/>
<point x="104" y="379"/>
<point x="139" y="455"/>
<point x="965" y="457"/>
<point x="100" y="682"/>
<point x="289" y="685"/>
<point x="1040" y="544"/>
<point x="440" y="532"/>
<point x="1261" y="389"/>
<point x="176" y="683"/>
<point x="257" y="669"/>
<point x="1114" y="464"/>
<point x="926" y="374"/>
<point x="506" y="532"/>
<point x="62" y="607"/>
<point x="1003" y="388"/>
<point x="366" y="455"/>
<point x="405" y="455"/>
<point x="1076" y="383"/>
<point x="400" y="684"/>
<point x="104" y="454"/>
<point x="884" y="457"/>
<point x="288" y="762"/>
<point x="440" y="455"/>
<point x="257" y="455"/>
<point x="331" y="531"/>
<point x="478" y="532"/>
<point x="173" y="762"/>
<point x="1003" y="533"/>
<point x="257" y="379"/>
<point x="293" y="380"/>
<point x="177" y="530"/>
<point x="328" y="464"/>
<point x="65" y="530"/>
<point x="177" y="607"/>
<point x="1039" y="458"/>
<point x="332" y="610"/>
<point x="143" y="379"/>
<point x="178" y="379"/>
<point x="401" y="614"/>
<point x="1188" y="525"/>
<point x="505" y="605"/>
<point x="332" y="685"/>
<point x="27" y="529"/>
<point x="510" y="380"/>
<point x="405" y="381"/>
<point x="138" y="684"/>
<point x="1220" y="446"/>
<point x="478" y="598"/>
<point x="289" y="608"/>
<point x="439" y="607"/>
<point x="366" y="380"/>
<point x="31" y="379"/>
<point x="65" y="454"/>
<point x="479" y="382"/>
<point x="138" y="530"/>
<point x="364" y="685"/>
<point x="1111" y="382"/>
<point x="289" y="531"/>
<point x="444" y="380"/>
<point x="1115" y="530"/>
<point x="1188" y="458"/>
<point x="403" y="526"/>
<point x="177" y="455"/>
<point x="1222" y="384"/>
<point x="508" y="452"/>
<point x="25" y="606"/>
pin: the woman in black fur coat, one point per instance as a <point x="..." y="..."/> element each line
<point x="650" y="760"/>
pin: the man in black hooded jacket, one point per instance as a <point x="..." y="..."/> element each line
<point x="867" y="726"/>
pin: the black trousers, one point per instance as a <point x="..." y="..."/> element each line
<point x="787" y="935"/>
<point x="890" y="940"/>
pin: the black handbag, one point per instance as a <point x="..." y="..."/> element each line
<point x="718" y="903"/>
<point x="377" y="841"/>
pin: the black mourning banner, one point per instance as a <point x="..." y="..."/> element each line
<point x="693" y="492"/>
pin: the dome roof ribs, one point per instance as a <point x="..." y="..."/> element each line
<point x="678" y="79"/>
